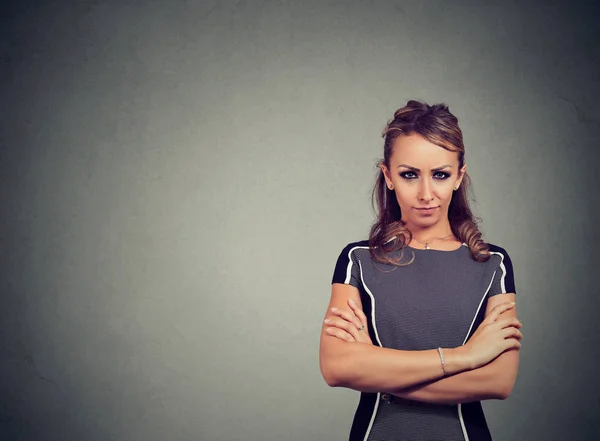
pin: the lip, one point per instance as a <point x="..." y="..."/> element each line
<point x="426" y="210"/>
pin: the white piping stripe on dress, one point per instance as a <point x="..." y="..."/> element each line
<point x="349" y="267"/>
<point x="460" y="415"/>
<point x="378" y="341"/>
<point x="502" y="286"/>
<point x="479" y="307"/>
<point x="348" y="274"/>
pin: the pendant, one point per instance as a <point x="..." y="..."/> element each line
<point x="427" y="246"/>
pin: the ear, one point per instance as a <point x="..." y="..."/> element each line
<point x="386" y="174"/>
<point x="461" y="174"/>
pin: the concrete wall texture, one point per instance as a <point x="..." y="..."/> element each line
<point x="178" y="178"/>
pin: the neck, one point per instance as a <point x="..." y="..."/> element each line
<point x="437" y="236"/>
<point x="434" y="232"/>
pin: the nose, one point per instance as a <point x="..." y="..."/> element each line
<point x="425" y="193"/>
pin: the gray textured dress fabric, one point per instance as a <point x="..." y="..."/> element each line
<point x="436" y="300"/>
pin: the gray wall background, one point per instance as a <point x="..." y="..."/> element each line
<point x="179" y="177"/>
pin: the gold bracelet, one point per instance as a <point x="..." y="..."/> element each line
<point x="441" y="351"/>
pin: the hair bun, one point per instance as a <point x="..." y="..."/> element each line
<point x="414" y="104"/>
<point x="412" y="111"/>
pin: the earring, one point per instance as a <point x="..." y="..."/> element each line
<point x="391" y="187"/>
<point x="456" y="188"/>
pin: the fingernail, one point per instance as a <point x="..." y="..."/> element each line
<point x="327" y="320"/>
<point x="512" y="303"/>
<point x="334" y="309"/>
<point x="352" y="302"/>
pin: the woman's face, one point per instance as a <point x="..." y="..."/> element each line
<point x="423" y="175"/>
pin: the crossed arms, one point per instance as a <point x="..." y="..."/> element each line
<point x="415" y="375"/>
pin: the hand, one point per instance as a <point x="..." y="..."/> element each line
<point x="493" y="337"/>
<point x="350" y="326"/>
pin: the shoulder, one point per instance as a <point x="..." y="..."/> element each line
<point x="500" y="258"/>
<point x="496" y="248"/>
<point x="499" y="254"/>
<point x="346" y="267"/>
<point x="352" y="250"/>
<point x="361" y="244"/>
<point x="503" y="268"/>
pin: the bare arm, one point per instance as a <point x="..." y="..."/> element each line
<point x="368" y="368"/>
<point x="492" y="381"/>
<point x="485" y="383"/>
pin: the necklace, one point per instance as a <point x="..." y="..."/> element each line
<point x="431" y="241"/>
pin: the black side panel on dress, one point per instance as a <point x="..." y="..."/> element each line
<point x="475" y="423"/>
<point x="509" y="280"/>
<point x="341" y="265"/>
<point x="363" y="415"/>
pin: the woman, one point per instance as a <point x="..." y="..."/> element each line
<point x="422" y="319"/>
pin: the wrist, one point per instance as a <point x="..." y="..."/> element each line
<point x="457" y="360"/>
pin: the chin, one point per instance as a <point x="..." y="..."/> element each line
<point x="424" y="223"/>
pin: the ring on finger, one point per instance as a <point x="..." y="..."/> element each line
<point x="361" y="327"/>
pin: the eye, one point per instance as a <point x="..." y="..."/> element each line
<point x="408" y="175"/>
<point x="441" y="175"/>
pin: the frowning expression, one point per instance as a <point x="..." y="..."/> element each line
<point x="423" y="176"/>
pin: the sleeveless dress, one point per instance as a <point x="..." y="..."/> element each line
<point x="438" y="300"/>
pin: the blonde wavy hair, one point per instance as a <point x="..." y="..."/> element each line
<point x="389" y="233"/>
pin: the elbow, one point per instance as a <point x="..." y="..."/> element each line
<point x="333" y="374"/>
<point x="332" y="380"/>
<point x="505" y="390"/>
<point x="339" y="365"/>
<point x="502" y="395"/>
<point x="506" y="377"/>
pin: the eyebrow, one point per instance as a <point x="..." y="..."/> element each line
<point x="410" y="167"/>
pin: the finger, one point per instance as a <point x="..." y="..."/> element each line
<point x="512" y="343"/>
<point x="340" y="333"/>
<point x="358" y="312"/>
<point x="349" y="316"/>
<point x="511" y="332"/>
<point x="510" y="321"/>
<point x="343" y="324"/>
<point x="497" y="310"/>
